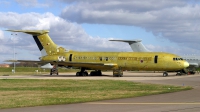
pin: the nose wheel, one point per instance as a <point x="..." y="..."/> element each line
<point x="54" y="70"/>
<point x="165" y="74"/>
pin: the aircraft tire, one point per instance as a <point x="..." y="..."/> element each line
<point x="77" y="73"/>
<point x="116" y="75"/>
<point x="98" y="73"/>
<point x="121" y="74"/>
<point x="92" y="73"/>
<point x="82" y="74"/>
<point x="165" y="74"/>
<point x="51" y="72"/>
<point x="85" y="73"/>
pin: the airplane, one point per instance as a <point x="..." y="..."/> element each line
<point x="137" y="46"/>
<point x="98" y="61"/>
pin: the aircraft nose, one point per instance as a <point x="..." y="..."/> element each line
<point x="186" y="64"/>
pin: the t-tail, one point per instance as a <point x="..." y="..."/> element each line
<point x="136" y="45"/>
<point x="43" y="41"/>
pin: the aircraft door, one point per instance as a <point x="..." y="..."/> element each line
<point x="156" y="59"/>
<point x="70" y="57"/>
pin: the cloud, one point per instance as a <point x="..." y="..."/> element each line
<point x="1" y="36"/>
<point x="174" y="20"/>
<point x="32" y="3"/>
<point x="62" y="32"/>
<point x="116" y="11"/>
<point x="180" y="51"/>
<point x="4" y="3"/>
<point x="3" y="48"/>
<point x="131" y="6"/>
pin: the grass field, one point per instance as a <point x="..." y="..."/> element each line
<point x="33" y="92"/>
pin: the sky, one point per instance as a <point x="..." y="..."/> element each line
<point x="87" y="25"/>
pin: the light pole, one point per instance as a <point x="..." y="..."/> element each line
<point x="14" y="51"/>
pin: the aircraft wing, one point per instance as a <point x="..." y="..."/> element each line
<point x="73" y="64"/>
<point x="27" y="61"/>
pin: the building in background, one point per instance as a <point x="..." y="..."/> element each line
<point x="4" y="65"/>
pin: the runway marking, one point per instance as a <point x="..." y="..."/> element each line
<point x="107" y="103"/>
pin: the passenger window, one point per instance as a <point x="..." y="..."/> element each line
<point x="106" y="58"/>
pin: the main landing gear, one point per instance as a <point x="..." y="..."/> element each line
<point x="92" y="73"/>
<point x="82" y="72"/>
<point x="96" y="73"/>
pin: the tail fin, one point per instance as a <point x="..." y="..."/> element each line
<point x="43" y="41"/>
<point x="136" y="45"/>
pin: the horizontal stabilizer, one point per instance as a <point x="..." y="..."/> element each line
<point x="128" y="41"/>
<point x="32" y="32"/>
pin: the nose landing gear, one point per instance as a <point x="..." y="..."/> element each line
<point x="54" y="70"/>
<point x="165" y="74"/>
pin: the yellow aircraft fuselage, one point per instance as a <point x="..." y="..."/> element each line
<point x="155" y="61"/>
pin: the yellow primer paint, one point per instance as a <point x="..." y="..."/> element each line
<point x="148" y="61"/>
<point x="125" y="61"/>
